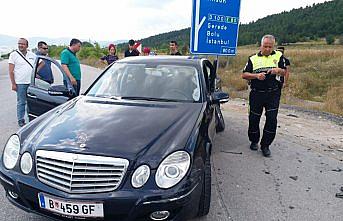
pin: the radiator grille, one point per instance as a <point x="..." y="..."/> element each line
<point x="79" y="173"/>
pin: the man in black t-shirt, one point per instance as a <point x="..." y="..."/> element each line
<point x="287" y="64"/>
<point x="131" y="51"/>
<point x="174" y="48"/>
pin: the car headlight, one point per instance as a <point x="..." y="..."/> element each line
<point x="11" y="152"/>
<point x="26" y="163"/>
<point x="140" y="176"/>
<point x="172" y="169"/>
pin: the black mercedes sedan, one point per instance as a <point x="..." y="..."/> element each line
<point x="135" y="146"/>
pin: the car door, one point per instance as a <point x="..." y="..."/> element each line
<point x="216" y="92"/>
<point x="39" y="100"/>
<point x="208" y="70"/>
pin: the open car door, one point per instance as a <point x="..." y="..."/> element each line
<point x="49" y="87"/>
<point x="218" y="96"/>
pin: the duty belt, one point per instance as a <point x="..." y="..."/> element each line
<point x="266" y="90"/>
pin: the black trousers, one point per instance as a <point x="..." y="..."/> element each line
<point x="269" y="100"/>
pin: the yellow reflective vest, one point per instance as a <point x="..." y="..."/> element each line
<point x="262" y="63"/>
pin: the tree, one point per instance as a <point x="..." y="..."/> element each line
<point x="340" y="40"/>
<point x="86" y="44"/>
<point x="185" y="49"/>
<point x="330" y="39"/>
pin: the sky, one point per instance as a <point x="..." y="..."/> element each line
<point x="111" y="20"/>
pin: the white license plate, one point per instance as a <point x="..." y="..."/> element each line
<point x="71" y="208"/>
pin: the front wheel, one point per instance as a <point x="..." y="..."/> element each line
<point x="220" y="123"/>
<point x="205" y="198"/>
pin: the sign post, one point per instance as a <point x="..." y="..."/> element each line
<point x="215" y="27"/>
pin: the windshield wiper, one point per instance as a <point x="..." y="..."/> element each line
<point x="150" y="99"/>
<point x="108" y="96"/>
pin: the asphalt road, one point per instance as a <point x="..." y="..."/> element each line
<point x="296" y="183"/>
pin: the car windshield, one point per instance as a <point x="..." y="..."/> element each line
<point x="140" y="82"/>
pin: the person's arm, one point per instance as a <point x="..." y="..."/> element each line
<point x="11" y="73"/>
<point x="277" y="71"/>
<point x="40" y="66"/>
<point x="281" y="69"/>
<point x="286" y="76"/>
<point x="247" y="73"/>
<point x="70" y="76"/>
<point x="288" y="66"/>
<point x="250" y="76"/>
<point x="103" y="60"/>
<point x="137" y="52"/>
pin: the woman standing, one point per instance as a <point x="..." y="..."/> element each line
<point x="111" y="57"/>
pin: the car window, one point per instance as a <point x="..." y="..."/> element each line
<point x="210" y="84"/>
<point x="209" y="79"/>
<point x="169" y="82"/>
<point x="47" y="74"/>
<point x="206" y="71"/>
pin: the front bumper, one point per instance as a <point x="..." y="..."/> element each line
<point x="124" y="204"/>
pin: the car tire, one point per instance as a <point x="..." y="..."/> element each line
<point x="205" y="198"/>
<point x="220" y="123"/>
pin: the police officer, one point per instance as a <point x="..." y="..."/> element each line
<point x="265" y="71"/>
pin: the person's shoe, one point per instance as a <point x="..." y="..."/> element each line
<point x="265" y="151"/>
<point x="21" y="123"/>
<point x="253" y="146"/>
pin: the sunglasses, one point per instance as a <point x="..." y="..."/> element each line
<point x="45" y="48"/>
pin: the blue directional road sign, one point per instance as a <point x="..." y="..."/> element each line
<point x="215" y="27"/>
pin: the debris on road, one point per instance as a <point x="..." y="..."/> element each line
<point x="294" y="178"/>
<point x="292" y="115"/>
<point x="329" y="150"/>
<point x="266" y="171"/>
<point x="337" y="170"/>
<point x="291" y="207"/>
<point x="339" y="195"/>
<point x="340" y="150"/>
<point x="231" y="152"/>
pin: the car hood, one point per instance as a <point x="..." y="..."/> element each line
<point x="126" y="129"/>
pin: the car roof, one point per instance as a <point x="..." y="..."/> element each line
<point x="162" y="59"/>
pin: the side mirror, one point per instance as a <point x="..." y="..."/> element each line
<point x="220" y="97"/>
<point x="59" y="90"/>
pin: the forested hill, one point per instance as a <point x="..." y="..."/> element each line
<point x="301" y="24"/>
<point x="160" y="42"/>
<point x="312" y="22"/>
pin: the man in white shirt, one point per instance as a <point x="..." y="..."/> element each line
<point x="20" y="65"/>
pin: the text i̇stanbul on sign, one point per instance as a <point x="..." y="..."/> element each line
<point x="215" y="26"/>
